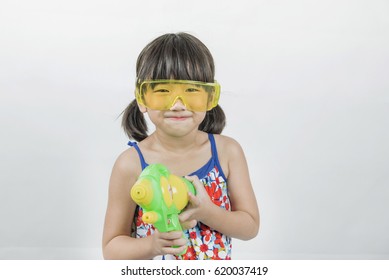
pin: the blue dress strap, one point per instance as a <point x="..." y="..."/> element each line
<point x="211" y="138"/>
<point x="215" y="156"/>
<point x="141" y="158"/>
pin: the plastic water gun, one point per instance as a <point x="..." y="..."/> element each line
<point x="162" y="196"/>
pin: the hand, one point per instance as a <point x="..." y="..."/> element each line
<point x="164" y="243"/>
<point x="188" y="224"/>
<point x="199" y="205"/>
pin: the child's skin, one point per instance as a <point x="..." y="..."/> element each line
<point x="178" y="144"/>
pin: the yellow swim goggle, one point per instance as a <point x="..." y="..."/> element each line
<point x="163" y="94"/>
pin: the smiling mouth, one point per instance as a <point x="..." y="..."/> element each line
<point x="177" y="118"/>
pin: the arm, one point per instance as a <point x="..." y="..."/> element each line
<point x="243" y="219"/>
<point x="117" y="240"/>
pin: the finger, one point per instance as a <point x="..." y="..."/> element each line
<point x="174" y="242"/>
<point x="189" y="224"/>
<point x="199" y="186"/>
<point x="179" y="242"/>
<point x="194" y="180"/>
<point x="193" y="199"/>
<point x="186" y="215"/>
<point x="172" y="235"/>
<point x="174" y="251"/>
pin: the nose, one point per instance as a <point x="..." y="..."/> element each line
<point x="178" y="104"/>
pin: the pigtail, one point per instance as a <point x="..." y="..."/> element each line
<point x="214" y="121"/>
<point x="134" y="123"/>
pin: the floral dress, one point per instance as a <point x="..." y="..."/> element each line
<point x="203" y="242"/>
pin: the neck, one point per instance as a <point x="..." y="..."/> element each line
<point x="178" y="144"/>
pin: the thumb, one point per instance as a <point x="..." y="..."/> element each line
<point x="195" y="181"/>
<point x="186" y="215"/>
<point x="189" y="224"/>
<point x="193" y="200"/>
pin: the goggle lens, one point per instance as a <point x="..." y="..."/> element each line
<point x="163" y="94"/>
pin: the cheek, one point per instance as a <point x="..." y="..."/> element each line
<point x="154" y="115"/>
<point x="200" y="116"/>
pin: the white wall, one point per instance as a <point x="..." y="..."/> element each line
<point x="305" y="89"/>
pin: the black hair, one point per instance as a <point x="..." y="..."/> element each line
<point x="178" y="56"/>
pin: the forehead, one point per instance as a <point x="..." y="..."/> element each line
<point x="174" y="83"/>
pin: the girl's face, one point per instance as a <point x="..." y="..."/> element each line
<point x="177" y="121"/>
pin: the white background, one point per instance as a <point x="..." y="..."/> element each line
<point x="304" y="85"/>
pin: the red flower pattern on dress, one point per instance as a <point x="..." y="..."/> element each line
<point x="203" y="248"/>
<point x="215" y="193"/>
<point x="226" y="203"/>
<point x="193" y="235"/>
<point x="205" y="232"/>
<point x="216" y="254"/>
<point x="190" y="254"/>
<point x="139" y="220"/>
<point x="219" y="239"/>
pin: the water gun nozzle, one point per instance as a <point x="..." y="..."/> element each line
<point x="142" y="192"/>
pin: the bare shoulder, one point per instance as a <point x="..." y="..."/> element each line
<point x="127" y="165"/>
<point x="229" y="151"/>
<point x="227" y="146"/>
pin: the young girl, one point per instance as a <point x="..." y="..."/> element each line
<point x="175" y="86"/>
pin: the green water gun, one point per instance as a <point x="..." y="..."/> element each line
<point x="162" y="196"/>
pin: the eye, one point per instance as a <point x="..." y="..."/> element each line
<point x="192" y="90"/>
<point x="161" y="90"/>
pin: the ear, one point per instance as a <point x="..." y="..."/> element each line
<point x="142" y="108"/>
